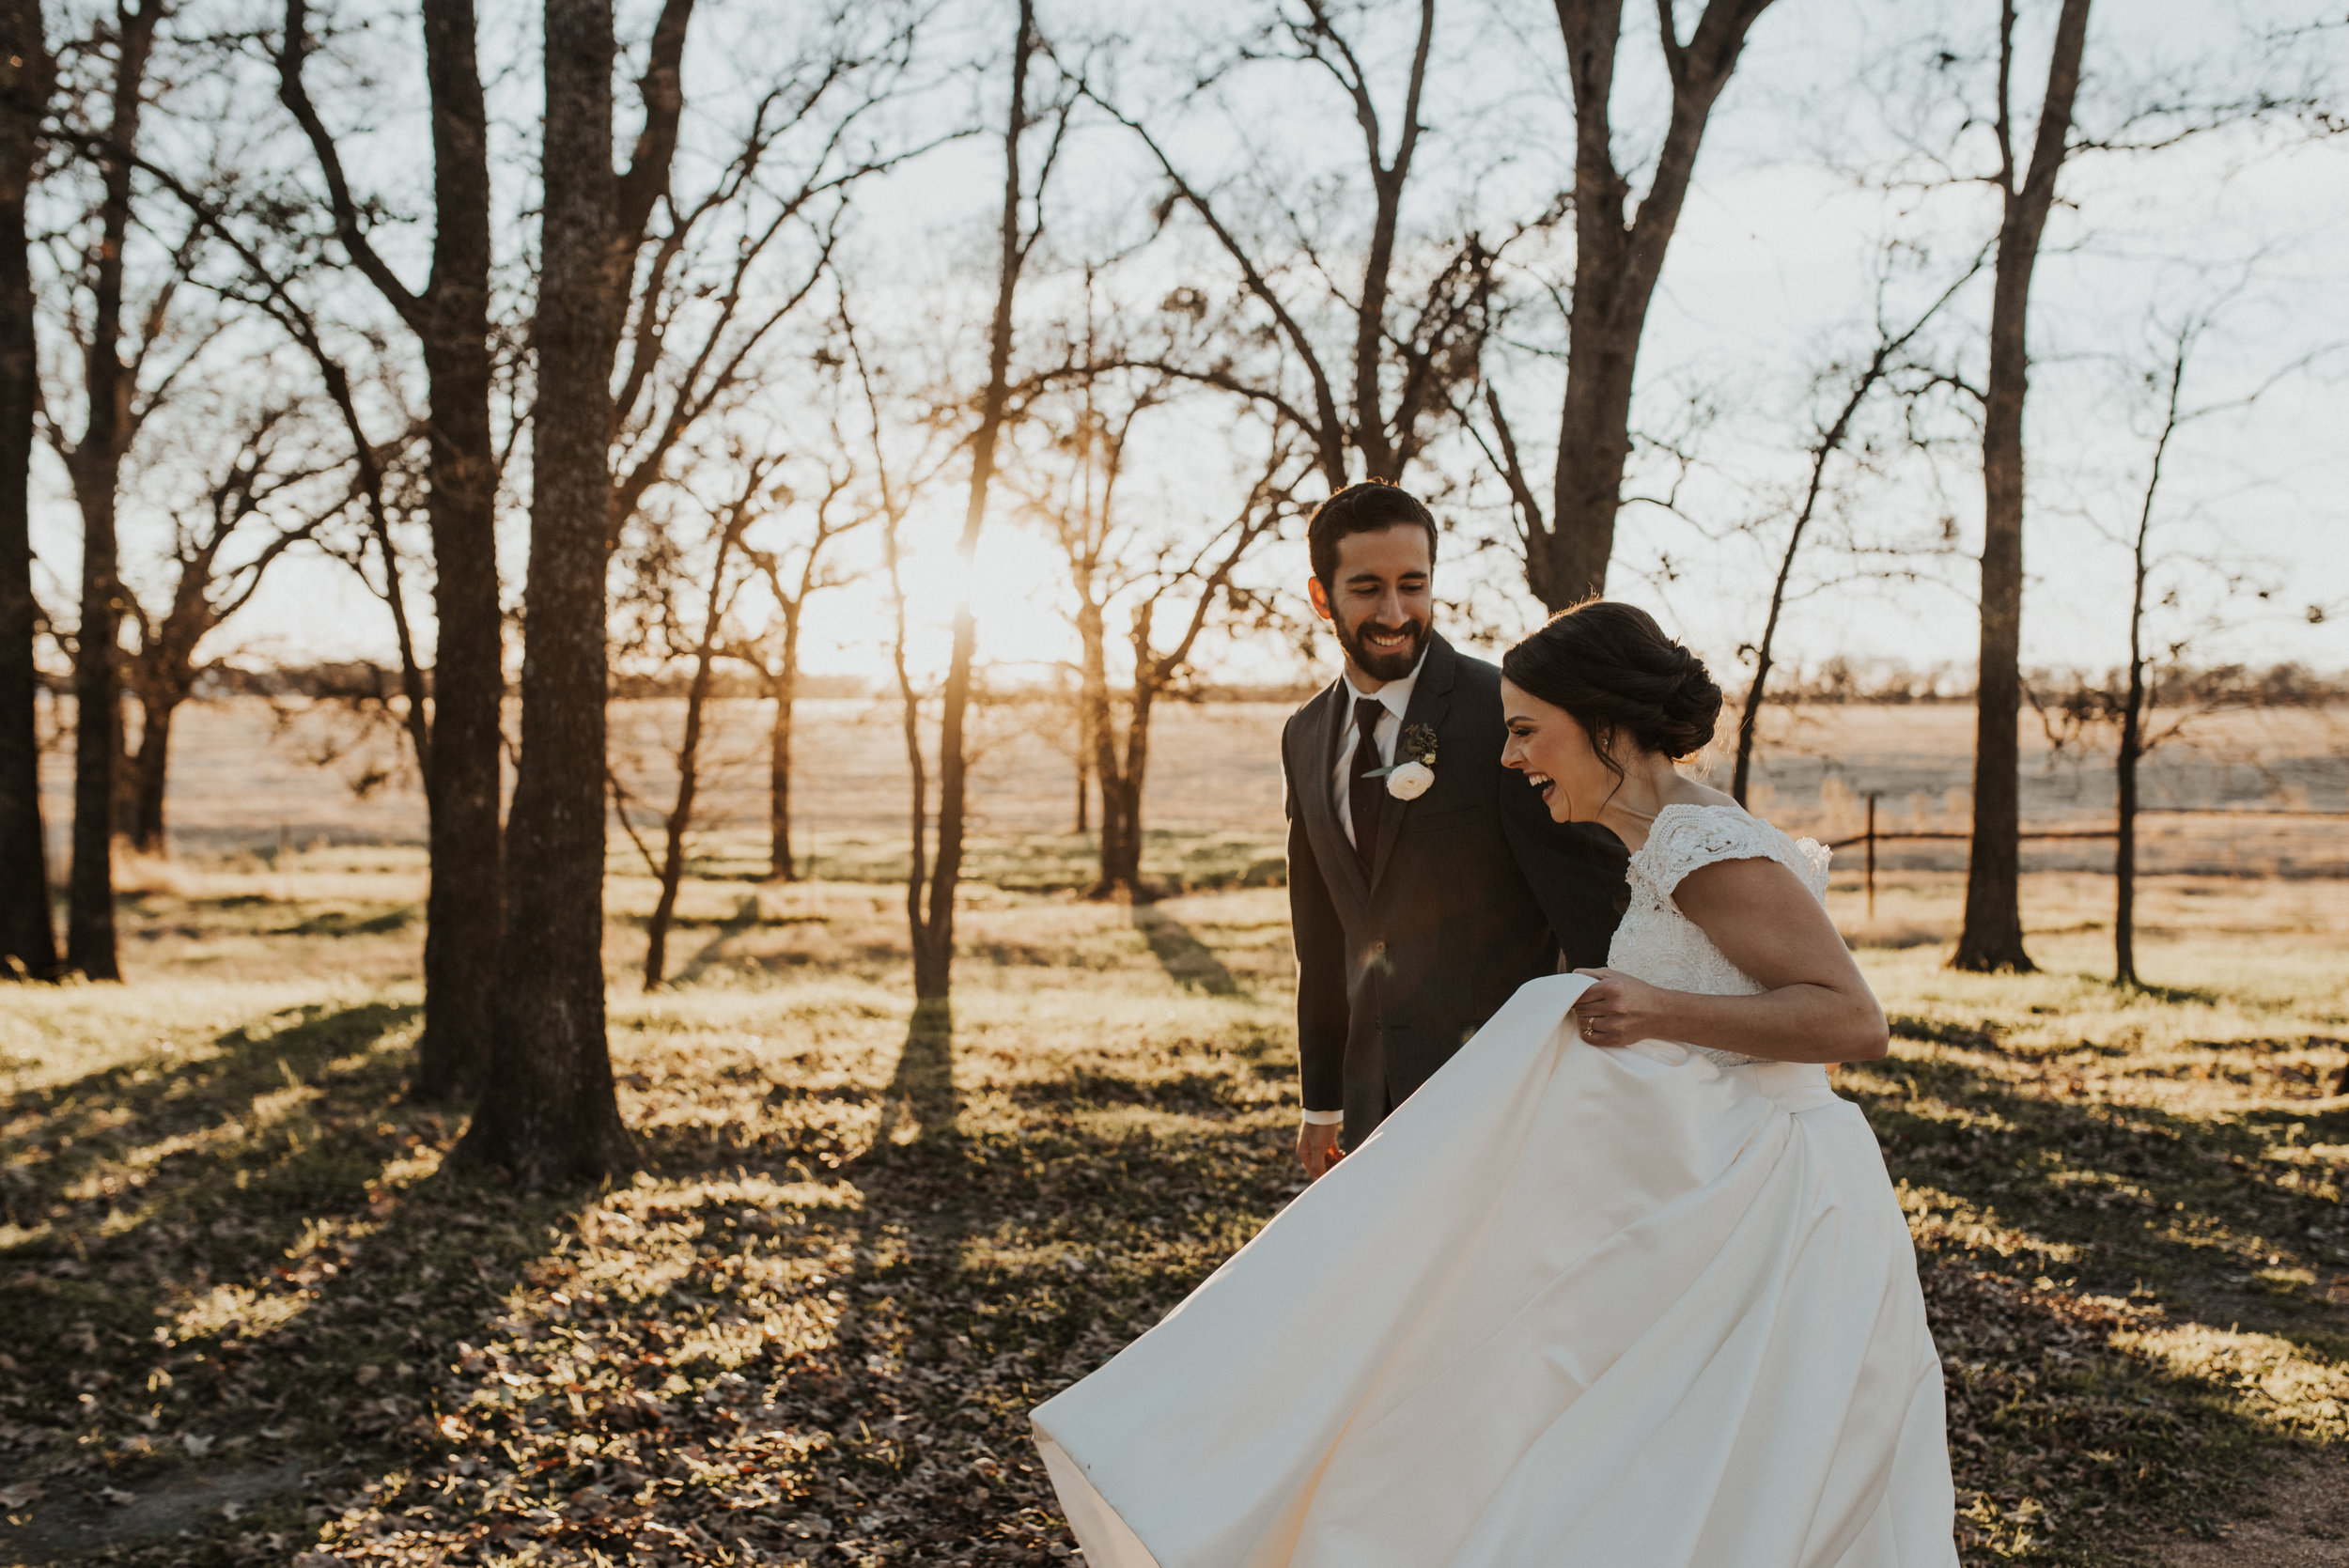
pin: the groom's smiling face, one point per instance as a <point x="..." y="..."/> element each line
<point x="1379" y="599"/>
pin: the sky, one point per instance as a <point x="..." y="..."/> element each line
<point x="1771" y="280"/>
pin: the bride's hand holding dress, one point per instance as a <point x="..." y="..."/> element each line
<point x="1815" y="1004"/>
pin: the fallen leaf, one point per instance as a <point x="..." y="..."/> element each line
<point x="197" y="1446"/>
<point x="19" y="1495"/>
<point x="116" y="1496"/>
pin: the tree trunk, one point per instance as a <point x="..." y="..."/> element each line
<point x="149" y="773"/>
<point x="780" y="867"/>
<point x="28" y="942"/>
<point x="89" y="888"/>
<point x="2136" y="700"/>
<point x="465" y="901"/>
<point x="550" y="1114"/>
<point x="1992" y="937"/>
<point x="1124" y="871"/>
<point x="126" y="789"/>
<point x="97" y="473"/>
<point x="2125" y="836"/>
<point x="689" y="766"/>
<point x="1616" y="264"/>
<point x="1083" y="759"/>
<point x="934" y="929"/>
<point x="1101" y="731"/>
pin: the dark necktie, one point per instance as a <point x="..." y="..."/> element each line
<point x="1364" y="794"/>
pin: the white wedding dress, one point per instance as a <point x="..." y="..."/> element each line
<point x="1647" y="1307"/>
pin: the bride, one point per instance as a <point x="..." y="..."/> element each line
<point x="1624" y="1285"/>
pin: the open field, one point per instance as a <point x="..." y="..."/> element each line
<point x="250" y="1315"/>
<point x="245" y="781"/>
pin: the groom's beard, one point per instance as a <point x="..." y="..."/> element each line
<point x="1383" y="665"/>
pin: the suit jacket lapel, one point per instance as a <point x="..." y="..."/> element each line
<point x="1430" y="700"/>
<point x="1339" y="866"/>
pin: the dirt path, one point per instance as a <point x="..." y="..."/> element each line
<point x="2308" y="1529"/>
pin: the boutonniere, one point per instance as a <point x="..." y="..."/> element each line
<point x="1414" y="768"/>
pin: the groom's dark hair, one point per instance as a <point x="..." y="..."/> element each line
<point x="1372" y="506"/>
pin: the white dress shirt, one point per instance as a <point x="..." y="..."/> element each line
<point x="1395" y="698"/>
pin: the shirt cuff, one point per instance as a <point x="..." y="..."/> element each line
<point x="1324" y="1118"/>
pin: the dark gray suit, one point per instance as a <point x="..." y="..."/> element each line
<point x="1473" y="891"/>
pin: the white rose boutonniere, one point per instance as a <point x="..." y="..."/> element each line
<point x="1410" y="780"/>
<point x="1413" y="771"/>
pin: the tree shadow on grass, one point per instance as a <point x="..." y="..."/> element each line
<point x="744" y="917"/>
<point x="1187" y="960"/>
<point x="920" y="1103"/>
<point x="226" y="1280"/>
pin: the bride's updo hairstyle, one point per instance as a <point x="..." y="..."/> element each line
<point x="1611" y="666"/>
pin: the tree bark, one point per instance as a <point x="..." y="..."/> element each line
<point x="933" y="934"/>
<point x="550" y="1114"/>
<point x="1992" y="937"/>
<point x="96" y="468"/>
<point x="465" y="897"/>
<point x="28" y="942"/>
<point x="1616" y="266"/>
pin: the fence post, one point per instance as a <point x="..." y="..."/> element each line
<point x="1872" y="856"/>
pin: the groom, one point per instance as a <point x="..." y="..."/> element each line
<point x="1427" y="882"/>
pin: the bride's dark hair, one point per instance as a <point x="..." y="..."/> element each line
<point x="1611" y="666"/>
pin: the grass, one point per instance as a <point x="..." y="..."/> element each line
<point x="247" y="1315"/>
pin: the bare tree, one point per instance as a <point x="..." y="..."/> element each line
<point x="550" y="1111"/>
<point x="1115" y="565"/>
<point x="2128" y="705"/>
<point x="1828" y="440"/>
<point x="1378" y="390"/>
<point x="794" y="574"/>
<point x="1617" y="262"/>
<point x="664" y="582"/>
<point x="931" y="911"/>
<point x="28" y="943"/>
<point x="1991" y="938"/>
<point x="718" y="277"/>
<point x="114" y="404"/>
<point x="450" y="319"/>
<point x="207" y="588"/>
<point x="717" y="281"/>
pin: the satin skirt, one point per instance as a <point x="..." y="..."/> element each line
<point x="1568" y="1307"/>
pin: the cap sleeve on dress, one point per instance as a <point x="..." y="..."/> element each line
<point x="1687" y="837"/>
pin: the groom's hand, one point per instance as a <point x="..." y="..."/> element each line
<point x="1317" y="1147"/>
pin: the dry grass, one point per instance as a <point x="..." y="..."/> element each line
<point x="249" y="1314"/>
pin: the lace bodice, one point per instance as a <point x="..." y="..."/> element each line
<point x="1660" y="946"/>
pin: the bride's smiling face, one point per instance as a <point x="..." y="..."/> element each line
<point x="1553" y="750"/>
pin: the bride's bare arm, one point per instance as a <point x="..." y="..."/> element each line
<point x="1816" y="1006"/>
